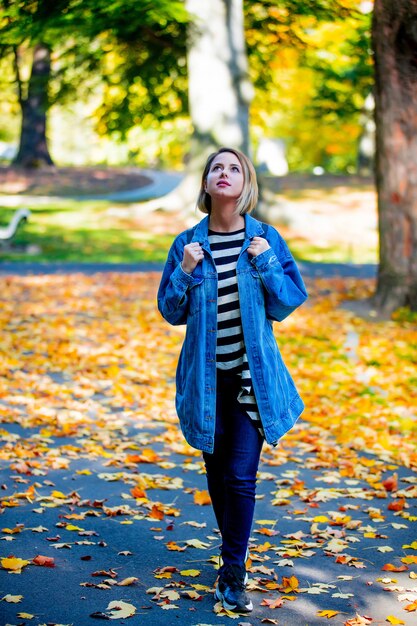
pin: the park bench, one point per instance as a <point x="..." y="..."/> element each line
<point x="8" y="232"/>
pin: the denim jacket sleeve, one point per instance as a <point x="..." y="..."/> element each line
<point x="284" y="287"/>
<point x="175" y="285"/>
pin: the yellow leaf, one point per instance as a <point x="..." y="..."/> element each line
<point x="409" y="559"/>
<point x="394" y="620"/>
<point x="58" y="494"/>
<point x="321" y="519"/>
<point x="14" y="564"/>
<point x="10" y="598"/>
<point x="72" y="527"/>
<point x="25" y="615"/>
<point x="190" y="572"/>
<point x="328" y="614"/>
<point x="412" y="546"/>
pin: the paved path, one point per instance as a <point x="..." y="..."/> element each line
<point x="309" y="270"/>
<point x="162" y="183"/>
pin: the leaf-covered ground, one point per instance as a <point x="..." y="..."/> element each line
<point x="104" y="508"/>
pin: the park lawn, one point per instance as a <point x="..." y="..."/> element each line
<point x="85" y="232"/>
<point x="331" y="225"/>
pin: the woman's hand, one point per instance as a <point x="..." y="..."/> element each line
<point x="193" y="254"/>
<point x="257" y="246"/>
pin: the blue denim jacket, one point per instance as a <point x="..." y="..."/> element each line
<point x="270" y="288"/>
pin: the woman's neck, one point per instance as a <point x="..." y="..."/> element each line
<point x="226" y="221"/>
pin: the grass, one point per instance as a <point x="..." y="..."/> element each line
<point x="84" y="232"/>
<point x="324" y="225"/>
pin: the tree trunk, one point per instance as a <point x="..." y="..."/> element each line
<point x="33" y="148"/>
<point x="219" y="88"/>
<point x="395" y="49"/>
<point x="219" y="92"/>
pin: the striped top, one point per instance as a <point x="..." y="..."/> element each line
<point x="231" y="351"/>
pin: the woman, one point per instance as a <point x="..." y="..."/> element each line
<point x="228" y="278"/>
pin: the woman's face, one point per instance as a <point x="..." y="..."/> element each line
<point x="225" y="178"/>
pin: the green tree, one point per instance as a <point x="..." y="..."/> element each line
<point x="79" y="37"/>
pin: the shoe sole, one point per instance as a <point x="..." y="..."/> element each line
<point x="233" y="607"/>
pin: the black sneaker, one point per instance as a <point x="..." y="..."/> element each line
<point x="230" y="590"/>
<point x="247" y="557"/>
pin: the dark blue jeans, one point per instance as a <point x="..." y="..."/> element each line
<point x="231" y="470"/>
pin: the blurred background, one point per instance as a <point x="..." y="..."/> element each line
<point x="108" y="111"/>
<point x="116" y="87"/>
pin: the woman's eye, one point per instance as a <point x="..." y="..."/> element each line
<point x="216" y="167"/>
<point x="235" y="169"/>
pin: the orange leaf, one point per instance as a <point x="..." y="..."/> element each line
<point x="171" y="545"/>
<point x="289" y="584"/>
<point x="137" y="492"/>
<point x="272" y="604"/>
<point x="268" y="532"/>
<point x="156" y="513"/>
<point x="397" y="505"/>
<point x="389" y="567"/>
<point x="202" y="497"/>
<point x="45" y="561"/>
<point x="411" y="607"/>
<point x="391" y="483"/>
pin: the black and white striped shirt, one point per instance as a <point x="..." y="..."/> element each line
<point x="231" y="351"/>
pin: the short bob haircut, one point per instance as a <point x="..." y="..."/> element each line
<point x="249" y="196"/>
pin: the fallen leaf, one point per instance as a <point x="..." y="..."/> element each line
<point x="118" y="609"/>
<point x="13" y="599"/>
<point x="327" y="613"/>
<point x="202" y="497"/>
<point x="45" y="561"/>
<point x="128" y="581"/>
<point x="196" y="543"/>
<point x="391" y="483"/>
<point x="14" y="564"/>
<point x="389" y="567"/>
<point x="190" y="572"/>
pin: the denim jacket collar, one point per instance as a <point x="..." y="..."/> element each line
<point x="253" y="228"/>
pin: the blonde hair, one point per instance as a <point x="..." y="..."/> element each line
<point x="249" y="196"/>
